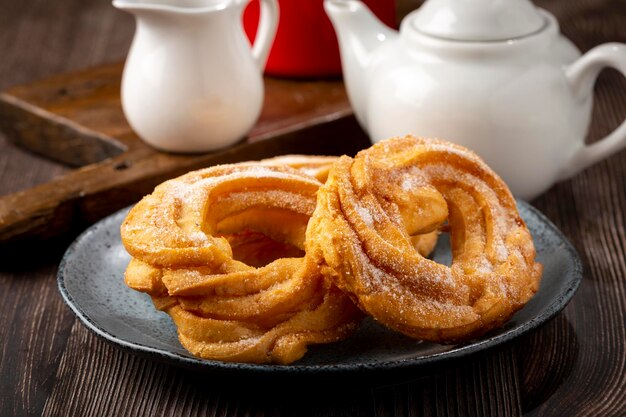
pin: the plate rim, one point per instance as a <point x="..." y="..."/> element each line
<point x="559" y="302"/>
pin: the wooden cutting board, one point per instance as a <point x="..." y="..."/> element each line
<point x="77" y="119"/>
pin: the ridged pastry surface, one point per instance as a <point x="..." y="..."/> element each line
<point x="372" y="205"/>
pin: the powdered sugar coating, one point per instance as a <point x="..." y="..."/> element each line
<point x="402" y="184"/>
<point x="225" y="309"/>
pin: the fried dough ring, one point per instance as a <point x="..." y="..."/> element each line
<point x="370" y="207"/>
<point x="225" y="309"/>
<point x="314" y="165"/>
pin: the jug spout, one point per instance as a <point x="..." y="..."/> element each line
<point x="169" y="7"/>
<point x="359" y="33"/>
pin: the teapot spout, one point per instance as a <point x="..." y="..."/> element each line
<point x="359" y="33"/>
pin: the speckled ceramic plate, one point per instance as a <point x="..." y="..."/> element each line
<point x="91" y="283"/>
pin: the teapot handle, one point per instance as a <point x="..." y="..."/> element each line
<point x="266" y="30"/>
<point x="582" y="76"/>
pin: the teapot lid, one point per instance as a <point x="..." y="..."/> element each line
<point x="477" y="20"/>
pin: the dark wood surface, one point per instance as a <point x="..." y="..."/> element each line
<point x="51" y="365"/>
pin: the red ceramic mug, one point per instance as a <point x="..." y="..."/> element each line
<point x="305" y="43"/>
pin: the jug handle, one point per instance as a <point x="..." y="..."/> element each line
<point x="266" y="30"/>
<point x="582" y="76"/>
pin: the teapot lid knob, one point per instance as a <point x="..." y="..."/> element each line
<point x="477" y="20"/>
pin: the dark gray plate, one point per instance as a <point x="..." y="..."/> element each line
<point x="91" y="283"/>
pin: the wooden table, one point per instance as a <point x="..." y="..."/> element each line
<point x="51" y="365"/>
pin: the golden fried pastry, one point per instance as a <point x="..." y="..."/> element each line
<point x="314" y="165"/>
<point x="222" y="251"/>
<point x="318" y="166"/>
<point x="370" y="208"/>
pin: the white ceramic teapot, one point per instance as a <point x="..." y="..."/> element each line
<point x="493" y="75"/>
<point x="191" y="81"/>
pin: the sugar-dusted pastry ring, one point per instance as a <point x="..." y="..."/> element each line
<point x="174" y="227"/>
<point x="224" y="308"/>
<point x="331" y="317"/>
<point x="372" y="204"/>
<point x="316" y="166"/>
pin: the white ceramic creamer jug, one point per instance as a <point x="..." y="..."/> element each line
<point x="191" y="82"/>
<point x="493" y="75"/>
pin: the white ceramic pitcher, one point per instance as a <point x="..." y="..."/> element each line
<point x="191" y="82"/>
<point x="493" y="75"/>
